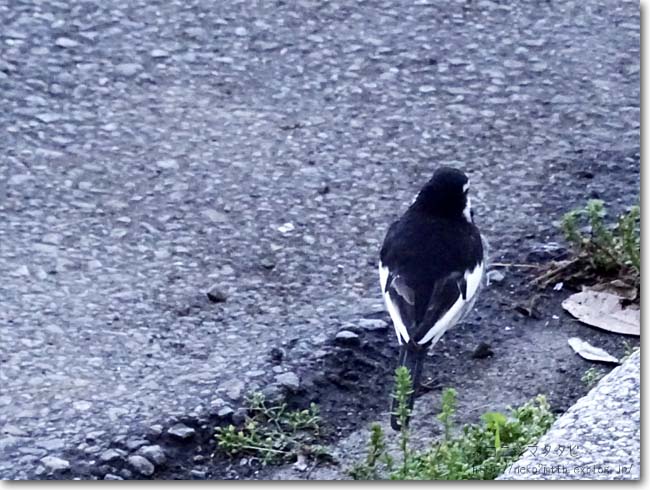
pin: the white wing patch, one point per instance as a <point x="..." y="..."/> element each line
<point x="459" y="308"/>
<point x="467" y="212"/>
<point x="398" y="323"/>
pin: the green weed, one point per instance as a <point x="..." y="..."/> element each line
<point x="609" y="249"/>
<point x="272" y="432"/>
<point x="592" y="376"/>
<point x="473" y="452"/>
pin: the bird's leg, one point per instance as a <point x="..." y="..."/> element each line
<point x="432" y="383"/>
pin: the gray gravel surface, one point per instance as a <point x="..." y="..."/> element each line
<point x="599" y="438"/>
<point x="155" y="151"/>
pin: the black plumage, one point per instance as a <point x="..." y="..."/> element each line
<point x="431" y="265"/>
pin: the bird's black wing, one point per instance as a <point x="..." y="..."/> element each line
<point x="412" y="314"/>
<point x="424" y="271"/>
<point x="446" y="293"/>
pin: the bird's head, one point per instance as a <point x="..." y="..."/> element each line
<point x="446" y="194"/>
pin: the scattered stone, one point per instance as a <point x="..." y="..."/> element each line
<point x="373" y="324"/>
<point x="273" y="393"/>
<point x="134" y="444"/>
<point x="288" y="380"/>
<point x="482" y="351"/>
<point x="111" y="455"/>
<point x="111" y="476"/>
<point x="141" y="465"/>
<point x="495" y="276"/>
<point x="55" y="464"/>
<point x="544" y="252"/>
<point x="155" y="431"/>
<point x="217" y="403"/>
<point x="225" y="412"/>
<point x="346" y="337"/>
<point x="154" y="454"/>
<point x="181" y="431"/>
<point x="216" y="295"/>
<point x="267" y="263"/>
<point x="241" y="31"/>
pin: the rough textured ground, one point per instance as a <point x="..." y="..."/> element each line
<point x="152" y="150"/>
<point x="599" y="438"/>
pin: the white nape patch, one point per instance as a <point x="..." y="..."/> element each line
<point x="467" y="212"/>
<point x="393" y="311"/>
<point x="466" y="186"/>
<point x="459" y="308"/>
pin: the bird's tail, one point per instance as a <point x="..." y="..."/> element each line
<point x="412" y="359"/>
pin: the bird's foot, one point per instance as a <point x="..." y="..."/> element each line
<point x="429" y="385"/>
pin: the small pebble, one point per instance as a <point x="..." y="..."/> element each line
<point x="181" y="431"/>
<point x="495" y="276"/>
<point x="289" y="380"/>
<point x="346" y="337"/>
<point x="482" y="351"/>
<point x="53" y="463"/>
<point x="216" y="295"/>
<point x="141" y="465"/>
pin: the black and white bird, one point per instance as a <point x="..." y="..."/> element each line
<point x="431" y="268"/>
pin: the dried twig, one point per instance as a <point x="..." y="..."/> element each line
<point x="560" y="267"/>
<point x="512" y="264"/>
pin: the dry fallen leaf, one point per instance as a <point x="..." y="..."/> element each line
<point x="587" y="351"/>
<point x="604" y="310"/>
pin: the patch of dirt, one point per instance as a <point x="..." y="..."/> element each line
<point x="530" y="356"/>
